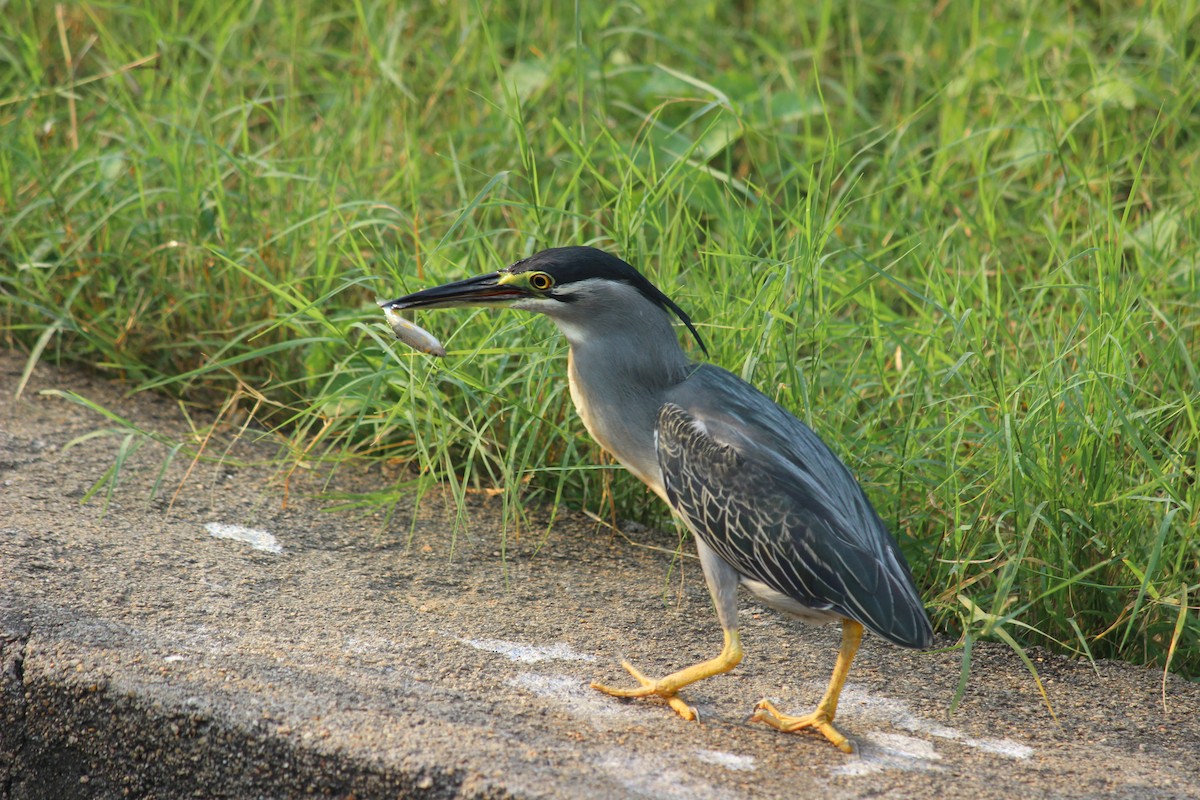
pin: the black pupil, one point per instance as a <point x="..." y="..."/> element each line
<point x="541" y="281"/>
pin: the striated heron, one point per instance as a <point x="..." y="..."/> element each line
<point x="768" y="503"/>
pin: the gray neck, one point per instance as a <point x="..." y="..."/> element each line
<point x="624" y="357"/>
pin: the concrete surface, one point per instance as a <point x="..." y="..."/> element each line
<point x="145" y="653"/>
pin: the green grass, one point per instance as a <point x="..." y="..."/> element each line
<point x="960" y="239"/>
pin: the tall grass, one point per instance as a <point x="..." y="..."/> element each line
<point x="961" y="244"/>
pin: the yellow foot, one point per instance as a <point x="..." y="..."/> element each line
<point x="668" y="688"/>
<point x="823" y="722"/>
<point x="649" y="687"/>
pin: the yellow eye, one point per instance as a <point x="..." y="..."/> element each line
<point x="540" y="281"/>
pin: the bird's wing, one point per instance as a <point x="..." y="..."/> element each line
<point x="768" y="496"/>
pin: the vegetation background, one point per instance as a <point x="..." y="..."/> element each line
<point x="959" y="238"/>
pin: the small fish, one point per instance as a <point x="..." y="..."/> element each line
<point x="411" y="335"/>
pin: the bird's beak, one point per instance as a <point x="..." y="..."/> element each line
<point x="483" y="289"/>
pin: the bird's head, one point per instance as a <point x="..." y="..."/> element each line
<point x="564" y="283"/>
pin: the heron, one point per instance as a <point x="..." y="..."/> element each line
<point x="769" y="505"/>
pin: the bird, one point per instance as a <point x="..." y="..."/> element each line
<point x="769" y="505"/>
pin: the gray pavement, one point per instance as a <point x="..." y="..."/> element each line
<point x="151" y="648"/>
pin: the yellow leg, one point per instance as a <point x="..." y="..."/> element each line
<point x="822" y="718"/>
<point x="668" y="687"/>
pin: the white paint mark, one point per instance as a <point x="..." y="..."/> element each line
<point x="883" y="751"/>
<point x="657" y="777"/>
<point x="879" y="751"/>
<point x="528" y="653"/>
<point x="898" y="714"/>
<point x="1001" y="747"/>
<point x="571" y="694"/>
<point x="255" y="537"/>
<point x="727" y="760"/>
<point x="173" y="659"/>
<point x="918" y="725"/>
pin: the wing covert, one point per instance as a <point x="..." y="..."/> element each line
<point x="782" y="526"/>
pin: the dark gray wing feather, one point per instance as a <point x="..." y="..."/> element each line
<point x="769" y="497"/>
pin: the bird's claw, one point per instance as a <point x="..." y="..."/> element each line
<point x="649" y="686"/>
<point x="767" y="714"/>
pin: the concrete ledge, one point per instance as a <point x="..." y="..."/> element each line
<point x="74" y="739"/>
<point x="144" y="655"/>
